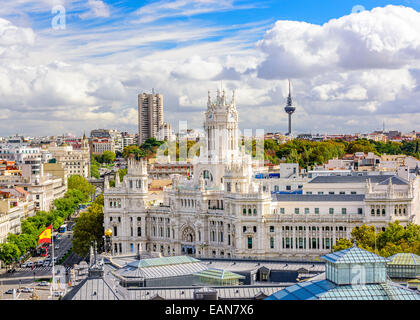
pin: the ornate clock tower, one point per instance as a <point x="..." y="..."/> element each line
<point x="221" y="127"/>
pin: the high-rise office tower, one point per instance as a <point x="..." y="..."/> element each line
<point x="150" y="110"/>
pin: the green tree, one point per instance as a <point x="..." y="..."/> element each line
<point x="79" y="183"/>
<point x="361" y="145"/>
<point x="342" y="244"/>
<point x="88" y="228"/>
<point x="23" y="241"/>
<point x="9" y="252"/>
<point x="392" y="234"/>
<point x="365" y="237"/>
<point x="131" y="150"/>
<point x="94" y="167"/>
<point x="108" y="157"/>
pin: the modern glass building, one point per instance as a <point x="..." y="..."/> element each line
<point x="404" y="266"/>
<point x="351" y="274"/>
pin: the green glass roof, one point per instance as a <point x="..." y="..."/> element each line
<point x="404" y="259"/>
<point x="354" y="255"/>
<point x="219" y="274"/>
<point x="165" y="261"/>
<point x="326" y="290"/>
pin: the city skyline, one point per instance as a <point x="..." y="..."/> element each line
<point x="350" y="71"/>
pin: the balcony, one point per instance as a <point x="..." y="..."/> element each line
<point x="216" y="211"/>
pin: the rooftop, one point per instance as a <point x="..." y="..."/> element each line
<point x="327" y="290"/>
<point x="404" y="259"/>
<point x="218" y="274"/>
<point x="354" y="255"/>
<point x="359" y="179"/>
<point x="164" y="261"/>
<point x="187" y="293"/>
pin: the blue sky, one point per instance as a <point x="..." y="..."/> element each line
<point x="350" y="70"/>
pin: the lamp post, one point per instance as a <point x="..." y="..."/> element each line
<point x="108" y="244"/>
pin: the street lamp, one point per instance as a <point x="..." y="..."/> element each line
<point x="107" y="237"/>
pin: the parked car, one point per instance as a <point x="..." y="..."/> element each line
<point x="58" y="293"/>
<point x="46" y="264"/>
<point x="10" y="291"/>
<point x="11" y="270"/>
<point x="57" y="247"/>
<point x="27" y="290"/>
<point x="29" y="264"/>
<point x="43" y="284"/>
<point x="39" y="263"/>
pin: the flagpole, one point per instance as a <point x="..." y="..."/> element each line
<point x="52" y="256"/>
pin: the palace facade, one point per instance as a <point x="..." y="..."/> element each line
<point x="223" y="211"/>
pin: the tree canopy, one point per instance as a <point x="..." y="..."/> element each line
<point x="395" y="239"/>
<point x="146" y="150"/>
<point x="78" y="191"/>
<point x="9" y="252"/>
<point x="89" y="228"/>
<point x="79" y="183"/>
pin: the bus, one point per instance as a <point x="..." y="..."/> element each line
<point x="63" y="228"/>
<point x="43" y="250"/>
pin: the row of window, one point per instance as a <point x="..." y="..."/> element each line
<point x="189" y="203"/>
<point x="310" y="228"/>
<point x="298" y="243"/>
<point x="288" y="188"/>
<point x="316" y="211"/>
<point x="215" y="204"/>
<point x="115" y="203"/>
<point x="137" y="183"/>
<point x="250" y="211"/>
<point x="332" y="192"/>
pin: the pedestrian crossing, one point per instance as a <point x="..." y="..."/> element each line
<point x="38" y="269"/>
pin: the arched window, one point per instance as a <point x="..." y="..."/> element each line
<point x="383" y="212"/>
<point x="373" y="211"/>
<point x="249" y="211"/>
<point x="255" y="211"/>
<point x="378" y="212"/>
<point x="244" y="211"/>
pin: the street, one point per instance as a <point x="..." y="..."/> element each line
<point x="25" y="277"/>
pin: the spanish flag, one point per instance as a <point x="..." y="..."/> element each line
<point x="45" y="236"/>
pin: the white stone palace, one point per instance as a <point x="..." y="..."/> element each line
<point x="223" y="211"/>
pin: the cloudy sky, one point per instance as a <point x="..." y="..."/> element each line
<point x="76" y="65"/>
